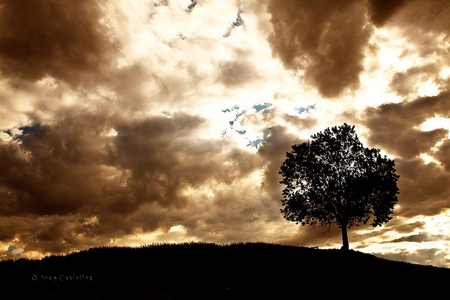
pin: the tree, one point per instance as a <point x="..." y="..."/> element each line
<point x="334" y="179"/>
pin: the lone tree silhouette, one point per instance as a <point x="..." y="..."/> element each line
<point x="334" y="179"/>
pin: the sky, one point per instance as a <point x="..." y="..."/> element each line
<point x="139" y="122"/>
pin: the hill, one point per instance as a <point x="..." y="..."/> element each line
<point x="209" y="271"/>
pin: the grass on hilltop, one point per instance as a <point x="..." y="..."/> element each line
<point x="211" y="271"/>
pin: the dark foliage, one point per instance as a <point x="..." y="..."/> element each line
<point x="209" y="271"/>
<point x="334" y="179"/>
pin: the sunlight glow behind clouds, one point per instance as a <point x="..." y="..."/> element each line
<point x="434" y="123"/>
<point x="436" y="226"/>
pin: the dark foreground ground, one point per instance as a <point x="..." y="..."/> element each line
<point x="208" y="271"/>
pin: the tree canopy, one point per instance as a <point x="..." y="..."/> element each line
<point x="334" y="179"/>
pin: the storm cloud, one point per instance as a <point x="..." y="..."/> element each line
<point x="325" y="39"/>
<point x="326" y="42"/>
<point x="382" y="10"/>
<point x="63" y="39"/>
<point x="75" y="170"/>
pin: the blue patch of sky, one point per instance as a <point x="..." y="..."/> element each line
<point x="266" y="133"/>
<point x="11" y="248"/>
<point x="260" y="107"/>
<point x="25" y="130"/>
<point x="255" y="143"/>
<point x="239" y="113"/>
<point x="301" y="110"/>
<point x="236" y="107"/>
<point x="30" y="129"/>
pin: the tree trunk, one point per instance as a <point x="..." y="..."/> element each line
<point x="345" y="245"/>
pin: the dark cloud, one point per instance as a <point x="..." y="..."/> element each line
<point x="64" y="39"/>
<point x="394" y="126"/>
<point x="273" y="149"/>
<point x="299" y="122"/>
<point x="397" y="224"/>
<point x="427" y="16"/>
<point x="326" y="39"/>
<point x="423" y="188"/>
<point x="235" y="73"/>
<point x="425" y="26"/>
<point x="53" y="170"/>
<point x="405" y="83"/>
<point x="400" y="227"/>
<point x="78" y="186"/>
<point x="162" y="159"/>
<point x="381" y="11"/>
<point x="419" y="238"/>
<point x="408" y="144"/>
<point x="442" y="154"/>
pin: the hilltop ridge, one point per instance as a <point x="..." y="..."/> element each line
<point x="210" y="271"/>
